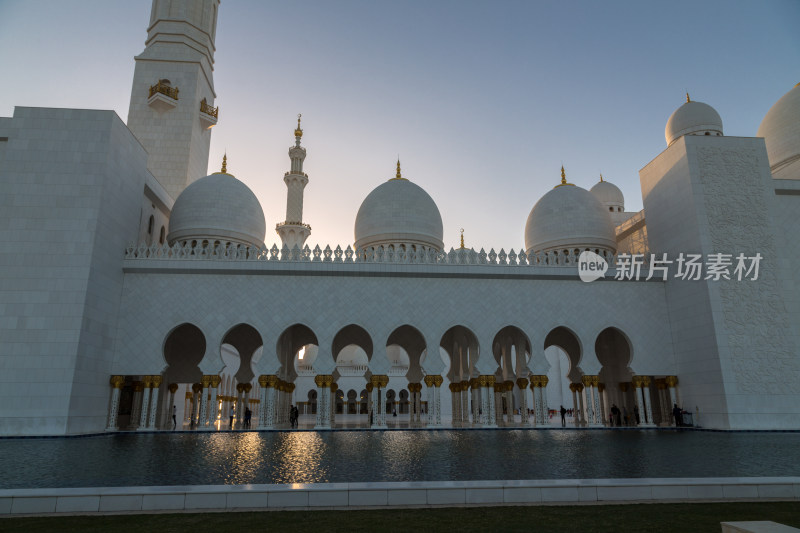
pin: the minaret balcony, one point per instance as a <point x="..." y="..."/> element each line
<point x="295" y="224"/>
<point x="163" y="97"/>
<point x="208" y="114"/>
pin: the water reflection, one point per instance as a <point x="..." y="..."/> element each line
<point x="350" y="456"/>
<point x="300" y="457"/>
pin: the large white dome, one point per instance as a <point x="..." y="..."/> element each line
<point x="781" y="131"/>
<point x="218" y="207"/>
<point x="398" y="212"/>
<point x="569" y="217"/>
<point x="693" y="118"/>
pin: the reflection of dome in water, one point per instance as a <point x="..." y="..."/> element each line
<point x="781" y="131"/>
<point x="398" y="212"/>
<point x="218" y="207"/>
<point x="568" y="217"/>
<point x="692" y="118"/>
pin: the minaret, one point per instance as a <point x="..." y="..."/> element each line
<point x="172" y="99"/>
<point x="292" y="230"/>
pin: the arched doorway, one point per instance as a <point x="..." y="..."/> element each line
<point x="563" y="344"/>
<point x="461" y="346"/>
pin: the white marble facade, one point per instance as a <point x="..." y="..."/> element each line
<point x="106" y="322"/>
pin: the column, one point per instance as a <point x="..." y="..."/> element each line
<point x="590" y="410"/>
<point x="202" y="421"/>
<point x="475" y="396"/>
<point x="116" y="383"/>
<point x="197" y="389"/>
<point x="601" y="387"/>
<point x="436" y="405"/>
<point x="266" y="413"/>
<point x="623" y="387"/>
<point x="371" y="413"/>
<point x="430" y="394"/>
<point x="490" y="408"/>
<point x="575" y="406"/>
<point x="212" y="417"/>
<point x="144" y="412"/>
<point x="465" y="393"/>
<point x="638" y="382"/>
<point x="648" y="400"/>
<point x="136" y="408"/>
<point x="672" y="383"/>
<point x="334" y="387"/>
<point x="598" y="409"/>
<point x="155" y="382"/>
<point x="545" y="414"/>
<point x="168" y="422"/>
<point x="522" y="383"/>
<point x="382" y="399"/>
<point x="582" y="407"/>
<point x="497" y="392"/>
<point x="323" y="382"/>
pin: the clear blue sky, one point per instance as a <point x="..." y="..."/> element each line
<point x="483" y="101"/>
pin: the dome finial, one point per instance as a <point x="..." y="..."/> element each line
<point x="225" y="163"/>
<point x="462" y="238"/>
<point x="601" y="177"/>
<point x="298" y="132"/>
<point x="398" y="175"/>
<point x="563" y="178"/>
<point x="687" y="97"/>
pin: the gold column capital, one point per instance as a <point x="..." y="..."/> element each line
<point x="636" y="381"/>
<point x="197" y="387"/>
<point x="522" y="383"/>
<point x="156" y="381"/>
<point x="247" y="387"/>
<point x="173" y="388"/>
<point x="429" y="381"/>
<point x="206" y="381"/>
<point x="138" y="386"/>
<point x="117" y="381"/>
<point x="369" y="387"/>
<point x="438" y="380"/>
<point x="240" y="387"/>
<point x="334" y="387"/>
<point x="671" y="381"/>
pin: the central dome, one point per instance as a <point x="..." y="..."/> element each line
<point x="399" y="212"/>
<point x="218" y="208"/>
<point x="569" y="217"/>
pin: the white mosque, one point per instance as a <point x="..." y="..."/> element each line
<point x="132" y="284"/>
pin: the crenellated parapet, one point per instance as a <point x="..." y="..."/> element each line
<point x="229" y="251"/>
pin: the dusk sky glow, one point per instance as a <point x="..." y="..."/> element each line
<point x="482" y="101"/>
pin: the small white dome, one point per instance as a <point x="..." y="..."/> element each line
<point x="398" y="212"/>
<point x="218" y="207"/>
<point x="693" y="118"/>
<point x="609" y="195"/>
<point x="569" y="217"/>
<point x="781" y="131"/>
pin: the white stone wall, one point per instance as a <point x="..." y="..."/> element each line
<point x="72" y="182"/>
<point x="734" y="344"/>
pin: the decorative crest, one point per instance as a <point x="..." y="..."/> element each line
<point x="225" y="163"/>
<point x="601" y="177"/>
<point x="462" y="238"/>
<point x="687" y="97"/>
<point x="398" y="175"/>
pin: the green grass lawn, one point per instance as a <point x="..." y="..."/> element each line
<point x="586" y="518"/>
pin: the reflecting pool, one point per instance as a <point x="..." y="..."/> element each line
<point x="352" y="456"/>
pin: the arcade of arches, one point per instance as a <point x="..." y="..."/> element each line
<point x="379" y="388"/>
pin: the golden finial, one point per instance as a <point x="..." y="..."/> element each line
<point x="398" y="176"/>
<point x="462" y="238"/>
<point x="298" y="132"/>
<point x="687" y="97"/>
<point x="225" y="163"/>
<point x="601" y="177"/>
<point x="563" y="178"/>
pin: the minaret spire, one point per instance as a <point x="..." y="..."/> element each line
<point x="224" y="163"/>
<point x="398" y="175"/>
<point x="292" y="230"/>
